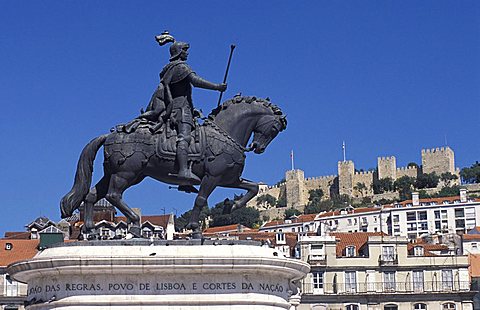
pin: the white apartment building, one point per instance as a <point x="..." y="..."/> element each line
<point x="301" y="223"/>
<point x="371" y="271"/>
<point x="372" y="219"/>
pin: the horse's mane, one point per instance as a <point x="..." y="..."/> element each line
<point x="237" y="99"/>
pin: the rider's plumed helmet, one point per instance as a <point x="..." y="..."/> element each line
<point x="176" y="49"/>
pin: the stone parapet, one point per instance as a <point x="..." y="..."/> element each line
<point x="159" y="275"/>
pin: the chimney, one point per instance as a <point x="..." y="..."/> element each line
<point x="415" y="199"/>
<point x="239" y="228"/>
<point x="463" y="195"/>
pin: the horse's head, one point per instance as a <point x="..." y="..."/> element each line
<point x="267" y="128"/>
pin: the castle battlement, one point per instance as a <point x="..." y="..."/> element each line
<point x="386" y="158"/>
<point x="437" y="150"/>
<point x="363" y="173"/>
<point x="276" y="186"/>
<point x="321" y="178"/>
<point x="409" y="168"/>
<point x="345" y="163"/>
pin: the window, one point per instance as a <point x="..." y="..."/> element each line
<point x="423" y="226"/>
<point x="349" y="222"/>
<point x="449" y="306"/>
<point x="11" y="286"/>
<point x="8" y="246"/>
<point x="388" y="253"/>
<point x="418" y="281"/>
<point x="447" y="280"/>
<point x="351" y="307"/>
<point x="350" y="251"/>
<point x="389" y="281"/>
<point x="474" y="246"/>
<point x="422" y="215"/>
<point x="411" y="226"/>
<point x="317" y="281"/>
<point x="390" y="307"/>
<point x="411" y="216"/>
<point x="459" y="212"/>
<point x="420" y="307"/>
<point x="350" y="282"/>
<point x="460" y="223"/>
<point x="437" y="215"/>
<point x="418" y="251"/>
<point x="396" y="218"/>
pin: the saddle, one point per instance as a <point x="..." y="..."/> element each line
<point x="165" y="138"/>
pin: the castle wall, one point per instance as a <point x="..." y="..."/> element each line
<point x="365" y="178"/>
<point x="325" y="183"/>
<point x="438" y="160"/>
<point x="410" y="171"/>
<point x="276" y="191"/>
<point x="387" y="167"/>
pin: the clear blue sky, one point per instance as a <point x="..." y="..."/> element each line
<point x="388" y="77"/>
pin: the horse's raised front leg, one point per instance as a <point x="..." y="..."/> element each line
<point x="206" y="188"/>
<point x="95" y="194"/>
<point x="252" y="191"/>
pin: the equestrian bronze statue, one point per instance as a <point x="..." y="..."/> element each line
<point x="166" y="143"/>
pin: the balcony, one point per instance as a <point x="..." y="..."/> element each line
<point x="387" y="288"/>
<point x="317" y="259"/>
<point x="388" y="260"/>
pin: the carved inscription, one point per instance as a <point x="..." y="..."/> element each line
<point x="73" y="288"/>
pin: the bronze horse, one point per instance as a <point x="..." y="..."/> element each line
<point x="130" y="157"/>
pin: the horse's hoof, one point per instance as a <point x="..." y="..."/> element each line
<point x="196" y="235"/>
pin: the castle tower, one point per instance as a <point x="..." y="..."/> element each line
<point x="346" y="171"/>
<point x="295" y="189"/>
<point x="438" y="160"/>
<point x="387" y="167"/>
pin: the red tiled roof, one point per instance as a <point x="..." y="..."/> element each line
<point x="24" y="235"/>
<point x="226" y="228"/>
<point x="358" y="239"/>
<point x="354" y="211"/>
<point x="438" y="200"/>
<point x="300" y="219"/>
<point x="21" y="250"/>
<point x="471" y="237"/>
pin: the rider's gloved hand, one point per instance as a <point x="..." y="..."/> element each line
<point x="222" y="87"/>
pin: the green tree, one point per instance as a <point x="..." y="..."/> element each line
<point x="383" y="185"/>
<point x="404" y="186"/>
<point x="246" y="216"/>
<point x="361" y="188"/>
<point x="291" y="212"/>
<point x="447" y="177"/>
<point x="267" y="199"/>
<point x="341" y="201"/>
<point x="315" y="203"/>
<point x="448" y="191"/>
<point x="281" y="202"/>
<point x="182" y="221"/>
<point x="471" y="174"/>
<point x="427" y="180"/>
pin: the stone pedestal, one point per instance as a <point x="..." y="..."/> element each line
<point x="159" y="275"/>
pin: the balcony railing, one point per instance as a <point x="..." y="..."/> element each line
<point x="386" y="288"/>
<point x="388" y="260"/>
<point x="317" y="259"/>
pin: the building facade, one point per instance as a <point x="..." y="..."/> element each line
<point x="371" y="271"/>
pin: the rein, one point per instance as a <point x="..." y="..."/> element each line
<point x="225" y="134"/>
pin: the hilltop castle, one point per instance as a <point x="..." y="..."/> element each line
<point x="356" y="184"/>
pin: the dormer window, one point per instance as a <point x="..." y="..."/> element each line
<point x="418" y="251"/>
<point x="280" y="238"/>
<point x="8" y="246"/>
<point x="350" y="251"/>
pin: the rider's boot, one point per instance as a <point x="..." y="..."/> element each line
<point x="185" y="175"/>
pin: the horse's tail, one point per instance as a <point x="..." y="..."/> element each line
<point x="83" y="177"/>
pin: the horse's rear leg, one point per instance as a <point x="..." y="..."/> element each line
<point x="206" y="188"/>
<point x="119" y="182"/>
<point x="94" y="195"/>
